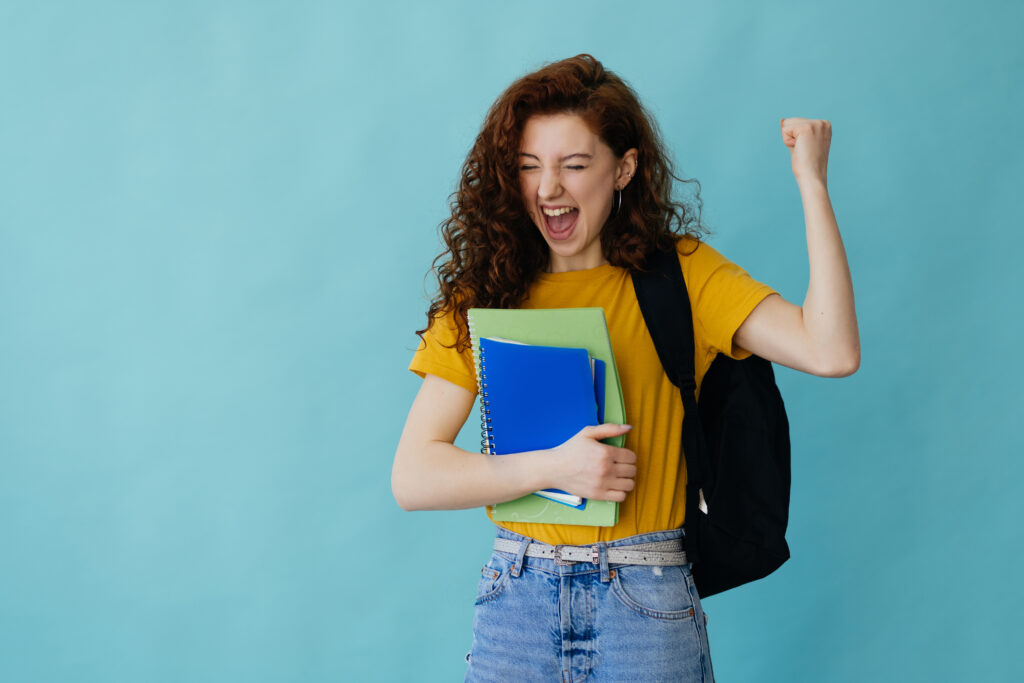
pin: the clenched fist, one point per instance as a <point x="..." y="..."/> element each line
<point x="808" y="141"/>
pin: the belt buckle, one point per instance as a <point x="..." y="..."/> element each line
<point x="595" y="555"/>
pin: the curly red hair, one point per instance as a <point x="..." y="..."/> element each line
<point x="493" y="251"/>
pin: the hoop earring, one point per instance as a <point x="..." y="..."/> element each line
<point x="618" y="205"/>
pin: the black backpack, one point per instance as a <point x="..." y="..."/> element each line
<point x="735" y="441"/>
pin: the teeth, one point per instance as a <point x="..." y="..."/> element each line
<point x="557" y="212"/>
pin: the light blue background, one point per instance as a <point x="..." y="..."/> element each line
<point x="215" y="223"/>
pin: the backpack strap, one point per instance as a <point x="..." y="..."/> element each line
<point x="665" y="305"/>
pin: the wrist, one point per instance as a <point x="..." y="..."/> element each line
<point x="812" y="185"/>
<point x="542" y="469"/>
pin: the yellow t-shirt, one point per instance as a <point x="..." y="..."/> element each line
<point x="721" y="295"/>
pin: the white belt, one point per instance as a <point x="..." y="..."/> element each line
<point x="663" y="553"/>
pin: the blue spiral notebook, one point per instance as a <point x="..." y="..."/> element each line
<point x="539" y="397"/>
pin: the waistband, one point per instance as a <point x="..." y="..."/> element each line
<point x="664" y="548"/>
<point x="662" y="553"/>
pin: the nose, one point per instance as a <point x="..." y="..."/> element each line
<point x="550" y="184"/>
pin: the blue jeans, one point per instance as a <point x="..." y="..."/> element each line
<point x="538" y="621"/>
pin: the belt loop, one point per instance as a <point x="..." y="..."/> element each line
<point x="517" y="568"/>
<point x="602" y="549"/>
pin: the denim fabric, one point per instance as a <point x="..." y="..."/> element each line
<point x="538" y="621"/>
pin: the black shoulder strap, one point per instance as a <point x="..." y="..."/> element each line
<point x="661" y="293"/>
<point x="665" y="305"/>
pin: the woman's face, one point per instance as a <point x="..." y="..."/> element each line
<point x="567" y="170"/>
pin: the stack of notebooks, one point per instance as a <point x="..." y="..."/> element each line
<point x="543" y="375"/>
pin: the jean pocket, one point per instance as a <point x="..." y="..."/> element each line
<point x="653" y="591"/>
<point x="493" y="577"/>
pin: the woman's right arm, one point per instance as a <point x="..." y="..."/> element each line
<point x="431" y="473"/>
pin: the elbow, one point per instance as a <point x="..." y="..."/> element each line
<point x="843" y="365"/>
<point x="846" y="369"/>
<point x="400" y="498"/>
<point x="401" y="490"/>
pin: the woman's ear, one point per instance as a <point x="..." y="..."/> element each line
<point x="626" y="168"/>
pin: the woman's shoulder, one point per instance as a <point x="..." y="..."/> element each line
<point x="696" y="254"/>
<point x="687" y="244"/>
<point x="704" y="267"/>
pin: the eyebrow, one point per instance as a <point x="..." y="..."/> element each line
<point x="567" y="156"/>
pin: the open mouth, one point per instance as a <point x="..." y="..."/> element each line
<point x="560" y="227"/>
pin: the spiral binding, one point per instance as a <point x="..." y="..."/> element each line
<point x="486" y="430"/>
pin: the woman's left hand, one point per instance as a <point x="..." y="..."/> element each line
<point x="808" y="141"/>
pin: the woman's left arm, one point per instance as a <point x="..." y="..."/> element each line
<point x="821" y="337"/>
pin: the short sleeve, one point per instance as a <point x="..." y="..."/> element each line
<point x="437" y="355"/>
<point x="722" y="295"/>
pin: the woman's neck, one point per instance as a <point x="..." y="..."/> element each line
<point x="580" y="262"/>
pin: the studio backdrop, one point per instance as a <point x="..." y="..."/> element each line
<point x="216" y="227"/>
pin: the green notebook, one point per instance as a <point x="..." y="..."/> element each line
<point x="568" y="327"/>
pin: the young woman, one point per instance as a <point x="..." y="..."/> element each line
<point x="565" y="191"/>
